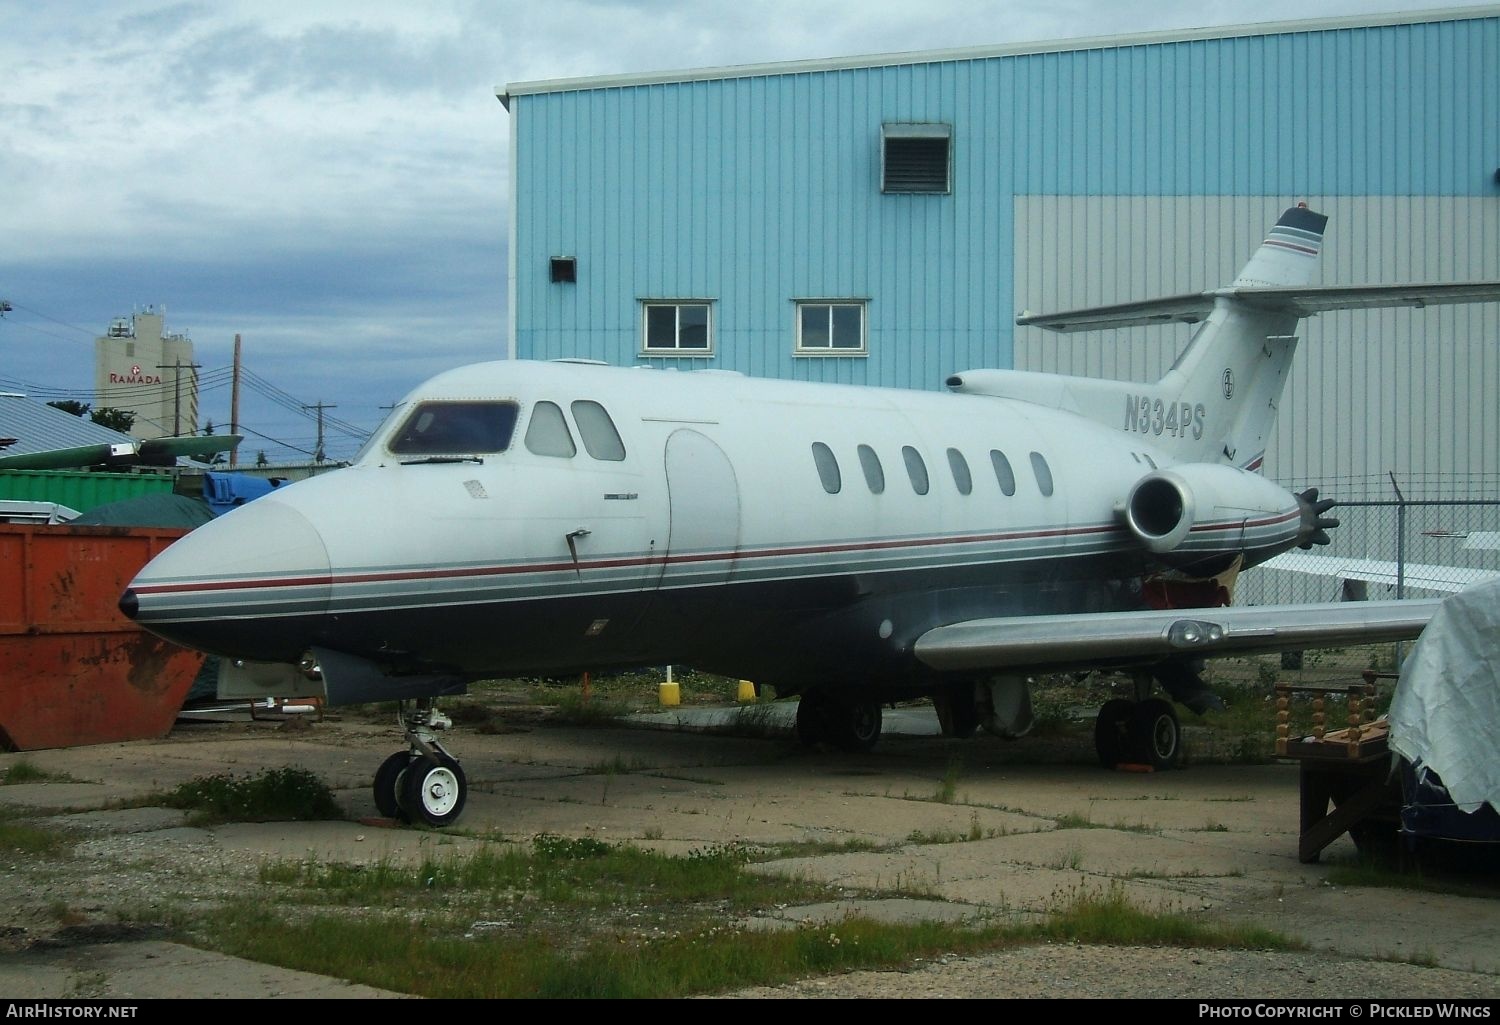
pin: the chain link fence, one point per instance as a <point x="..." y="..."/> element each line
<point x="1394" y="548"/>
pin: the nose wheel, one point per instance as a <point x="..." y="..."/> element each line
<point x="424" y="783"/>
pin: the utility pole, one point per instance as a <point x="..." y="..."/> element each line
<point x="176" y="368"/>
<point x="318" y="456"/>
<point x="234" y="405"/>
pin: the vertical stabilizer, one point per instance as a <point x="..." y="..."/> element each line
<point x="1236" y="366"/>
<point x="1218" y="402"/>
<point x="1289" y="255"/>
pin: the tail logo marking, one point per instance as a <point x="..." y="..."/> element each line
<point x="1228" y="383"/>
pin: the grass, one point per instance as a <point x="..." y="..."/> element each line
<point x="19" y="836"/>
<point x="569" y="918"/>
<point x="23" y="772"/>
<point x="276" y="795"/>
<point x="1377" y="874"/>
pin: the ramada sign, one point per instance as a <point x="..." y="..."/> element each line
<point x="134" y="377"/>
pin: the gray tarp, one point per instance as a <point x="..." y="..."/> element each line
<point x="1445" y="715"/>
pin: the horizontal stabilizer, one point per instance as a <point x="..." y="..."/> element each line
<point x="1120" y="639"/>
<point x="1301" y="301"/>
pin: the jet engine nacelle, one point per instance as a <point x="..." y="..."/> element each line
<point x="1201" y="509"/>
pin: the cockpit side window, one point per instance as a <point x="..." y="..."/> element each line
<point x="600" y="439"/>
<point x="446" y="428"/>
<point x="548" y="434"/>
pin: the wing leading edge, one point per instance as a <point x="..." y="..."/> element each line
<point x="1119" y="639"/>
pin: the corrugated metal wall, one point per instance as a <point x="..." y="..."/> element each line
<point x="1371" y="392"/>
<point x="1079" y="176"/>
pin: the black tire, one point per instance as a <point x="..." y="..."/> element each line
<point x="855" y="726"/>
<point x="957" y="711"/>
<point x="434" y="791"/>
<point x="1112" y="731"/>
<point x="812" y="719"/>
<point x="1156" y="734"/>
<point x="388" y="783"/>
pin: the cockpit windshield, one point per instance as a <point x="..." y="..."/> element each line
<point x="456" y="428"/>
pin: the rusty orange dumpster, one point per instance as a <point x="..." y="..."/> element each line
<point x="73" y="669"/>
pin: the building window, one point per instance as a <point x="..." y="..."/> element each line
<point x="828" y="468"/>
<point x="827" y="327"/>
<point x="874" y="473"/>
<point x="1043" y="473"/>
<point x="677" y="329"/>
<point x="916" y="469"/>
<point x="563" y="269"/>
<point x="960" y="467"/>
<point x="916" y="158"/>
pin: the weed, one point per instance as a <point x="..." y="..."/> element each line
<point x="25" y="772"/>
<point x="24" y="838"/>
<point x="275" y="795"/>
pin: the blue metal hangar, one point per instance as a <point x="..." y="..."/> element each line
<point x="881" y="220"/>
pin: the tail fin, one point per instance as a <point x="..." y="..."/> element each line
<point x="1289" y="255"/>
<point x="1218" y="402"/>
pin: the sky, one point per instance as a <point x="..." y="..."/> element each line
<point x="329" y="180"/>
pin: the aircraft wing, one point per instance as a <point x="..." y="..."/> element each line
<point x="1117" y="639"/>
<point x="66" y="458"/>
<point x="1303" y="301"/>
<point x="1413" y="574"/>
<point x="153" y="452"/>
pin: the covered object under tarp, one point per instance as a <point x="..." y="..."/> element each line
<point x="1445" y="715"/>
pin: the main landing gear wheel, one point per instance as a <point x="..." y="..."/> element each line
<point x="1156" y="733"/>
<point x="1112" y="731"/>
<point x="434" y="791"/>
<point x="847" y="724"/>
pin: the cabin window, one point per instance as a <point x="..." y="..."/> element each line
<point x="827" y="327"/>
<point x="547" y="434"/>
<point x="828" y="468"/>
<point x="915" y="469"/>
<point x="676" y="328"/>
<point x="1004" y="475"/>
<point x="916" y="158"/>
<point x="874" y="473"/>
<point x="600" y="439"/>
<point x="449" y="428"/>
<point x="960" y="467"/>
<point x="1043" y="473"/>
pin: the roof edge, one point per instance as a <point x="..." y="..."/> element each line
<point x="806" y="66"/>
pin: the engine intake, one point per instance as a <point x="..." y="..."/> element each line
<point x="1198" y="511"/>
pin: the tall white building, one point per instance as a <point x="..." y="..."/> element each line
<point x="140" y="368"/>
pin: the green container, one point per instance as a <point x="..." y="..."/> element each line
<point x="79" y="490"/>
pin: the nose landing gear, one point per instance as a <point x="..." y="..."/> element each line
<point x="423" y="784"/>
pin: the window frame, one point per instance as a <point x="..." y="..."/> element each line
<point x="916" y="469"/>
<point x="678" y="350"/>
<point x="827" y="464"/>
<point x="861" y="305"/>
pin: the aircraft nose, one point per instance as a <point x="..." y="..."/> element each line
<point x="253" y="584"/>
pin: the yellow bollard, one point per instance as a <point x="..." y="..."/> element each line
<point x="668" y="694"/>
<point x="746" y="693"/>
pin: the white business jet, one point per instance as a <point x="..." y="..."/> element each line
<point x="855" y="546"/>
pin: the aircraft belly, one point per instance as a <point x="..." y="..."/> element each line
<point x="854" y="627"/>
